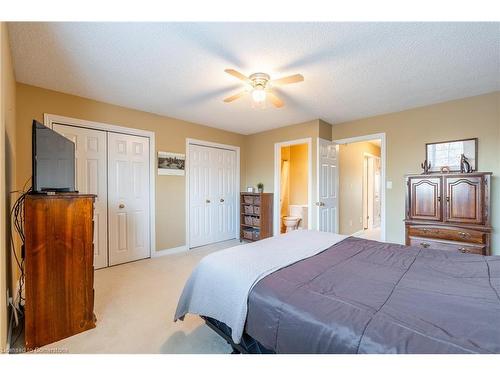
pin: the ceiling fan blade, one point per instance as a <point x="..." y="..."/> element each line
<point x="238" y="75"/>
<point x="231" y="98"/>
<point x="287" y="80"/>
<point x="277" y="102"/>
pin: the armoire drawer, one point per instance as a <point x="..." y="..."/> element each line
<point x="466" y="248"/>
<point x="450" y="234"/>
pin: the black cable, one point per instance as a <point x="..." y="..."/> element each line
<point x="17" y="218"/>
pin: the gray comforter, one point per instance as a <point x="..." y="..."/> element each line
<point x="363" y="296"/>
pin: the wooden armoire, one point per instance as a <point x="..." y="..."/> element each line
<point x="449" y="211"/>
<point x="59" y="267"/>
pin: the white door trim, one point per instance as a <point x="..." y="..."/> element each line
<point x="337" y="211"/>
<point x="50" y="119"/>
<point x="383" y="182"/>
<point x="367" y="155"/>
<point x="277" y="181"/>
<point x="199" y="142"/>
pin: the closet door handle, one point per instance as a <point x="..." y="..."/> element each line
<point x="207" y="201"/>
<point x="221" y="200"/>
<point x="121" y="205"/>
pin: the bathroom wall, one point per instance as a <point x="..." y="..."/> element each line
<point x="285" y="185"/>
<point x="298" y="174"/>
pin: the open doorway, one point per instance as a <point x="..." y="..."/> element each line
<point x="292" y="185"/>
<point x="361" y="182"/>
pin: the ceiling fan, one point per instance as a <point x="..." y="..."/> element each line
<point x="260" y="86"/>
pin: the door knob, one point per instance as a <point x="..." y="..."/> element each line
<point x="320" y="204"/>
<point x="121" y="205"/>
<point x="222" y="200"/>
<point x="207" y="201"/>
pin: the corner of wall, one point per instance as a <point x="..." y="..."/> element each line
<point x="7" y="168"/>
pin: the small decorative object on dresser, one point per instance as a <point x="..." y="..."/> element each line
<point x="449" y="211"/>
<point x="465" y="165"/>
<point x="426" y="166"/>
<point x="256" y="216"/>
<point x="260" y="187"/>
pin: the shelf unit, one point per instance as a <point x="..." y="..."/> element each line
<point x="256" y="210"/>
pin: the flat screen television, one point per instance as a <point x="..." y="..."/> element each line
<point x="53" y="161"/>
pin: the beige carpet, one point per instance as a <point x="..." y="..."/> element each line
<point x="135" y="305"/>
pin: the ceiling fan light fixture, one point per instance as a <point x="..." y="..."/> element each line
<point x="258" y="94"/>
<point x="260" y="85"/>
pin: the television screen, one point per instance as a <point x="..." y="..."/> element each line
<point x="53" y="160"/>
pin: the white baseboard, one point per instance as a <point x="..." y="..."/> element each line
<point x="173" y="250"/>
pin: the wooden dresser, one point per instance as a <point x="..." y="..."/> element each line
<point x="59" y="267"/>
<point x="256" y="210"/>
<point x="449" y="212"/>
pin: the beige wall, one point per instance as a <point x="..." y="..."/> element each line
<point x="7" y="171"/>
<point x="171" y="134"/>
<point x="406" y="135"/>
<point x="351" y="159"/>
<point x="298" y="174"/>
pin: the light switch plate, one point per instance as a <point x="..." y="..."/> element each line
<point x="389" y="184"/>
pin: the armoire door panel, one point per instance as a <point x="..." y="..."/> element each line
<point x="91" y="178"/>
<point x="464" y="199"/>
<point x="426" y="198"/>
<point x="128" y="175"/>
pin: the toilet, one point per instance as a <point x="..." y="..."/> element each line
<point x="297" y="217"/>
<point x="291" y="222"/>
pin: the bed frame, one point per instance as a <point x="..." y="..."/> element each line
<point x="248" y="344"/>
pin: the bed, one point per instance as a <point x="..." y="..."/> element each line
<point x="313" y="292"/>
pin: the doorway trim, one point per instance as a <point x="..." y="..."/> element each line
<point x="277" y="181"/>
<point x="366" y="156"/>
<point x="237" y="183"/>
<point x="383" y="182"/>
<point x="50" y="119"/>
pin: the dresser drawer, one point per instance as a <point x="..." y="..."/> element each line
<point x="450" y="234"/>
<point x="466" y="248"/>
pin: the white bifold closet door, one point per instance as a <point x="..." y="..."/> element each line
<point x="90" y="168"/>
<point x="128" y="198"/>
<point x="212" y="195"/>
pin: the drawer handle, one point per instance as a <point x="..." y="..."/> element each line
<point x="464" y="234"/>
<point x="425" y="245"/>
<point x="463" y="250"/>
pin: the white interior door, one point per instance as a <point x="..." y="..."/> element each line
<point x="91" y="178"/>
<point x="224" y="171"/>
<point x="327" y="204"/>
<point x="128" y="198"/>
<point x="212" y="195"/>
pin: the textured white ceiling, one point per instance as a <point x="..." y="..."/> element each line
<point x="351" y="70"/>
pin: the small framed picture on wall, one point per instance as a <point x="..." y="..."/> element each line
<point x="448" y="155"/>
<point x="170" y="163"/>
